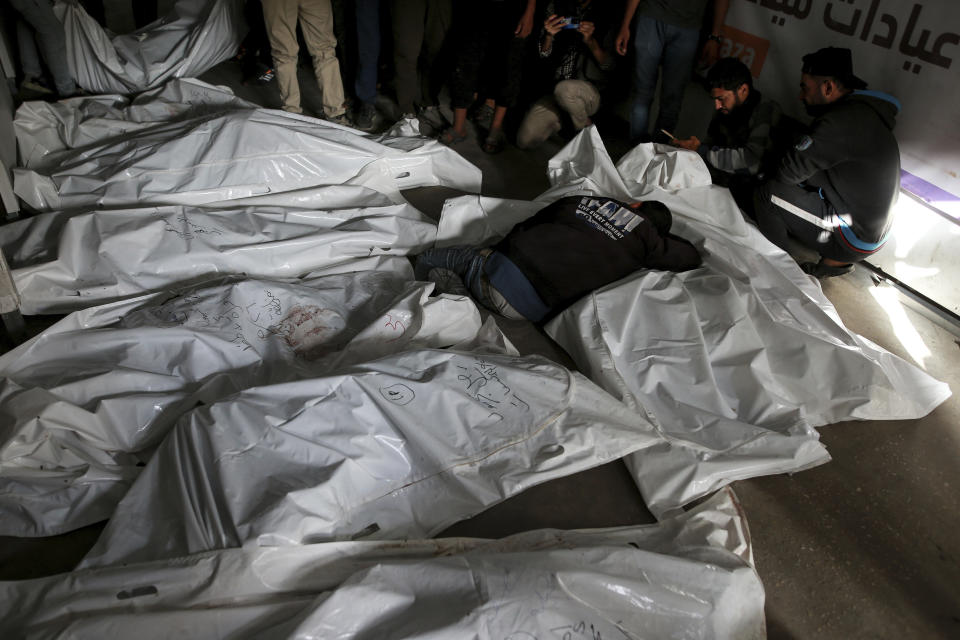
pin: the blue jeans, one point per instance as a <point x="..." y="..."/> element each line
<point x="368" y="49"/>
<point x="674" y="48"/>
<point x="40" y="26"/>
<point x="468" y="263"/>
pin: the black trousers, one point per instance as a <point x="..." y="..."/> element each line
<point x="487" y="46"/>
<point x="782" y="210"/>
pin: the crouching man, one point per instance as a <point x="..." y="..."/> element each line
<point x="835" y="190"/>
<point x="744" y="139"/>
<point x="569" y="248"/>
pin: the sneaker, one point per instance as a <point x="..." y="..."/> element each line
<point x="266" y="76"/>
<point x="343" y="119"/>
<point x="447" y="281"/>
<point x="483" y="117"/>
<point x="37" y="85"/>
<point x="368" y="118"/>
<point x="820" y="270"/>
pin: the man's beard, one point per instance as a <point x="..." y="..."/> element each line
<point x="815" y="110"/>
<point x="733" y="115"/>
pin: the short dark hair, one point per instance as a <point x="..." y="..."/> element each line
<point x="729" y="74"/>
<point x="658" y="214"/>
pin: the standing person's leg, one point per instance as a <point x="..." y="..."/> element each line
<point x="30" y="58"/>
<point x="433" y="70"/>
<point x="648" y="47"/>
<point x="280" y="18"/>
<point x="578" y="98"/>
<point x="51" y="41"/>
<point x="316" y="22"/>
<point x="507" y="65"/>
<point x="471" y="32"/>
<point x="679" y="54"/>
<point x="368" y="49"/>
<point x="256" y="45"/>
<point x="541" y="121"/>
<point x="409" y="18"/>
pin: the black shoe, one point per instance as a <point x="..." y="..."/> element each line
<point x="483" y="116"/>
<point x="267" y="76"/>
<point x="342" y="119"/>
<point x="820" y="270"/>
<point x="368" y="119"/>
<point x="36" y="85"/>
<point x="432" y="121"/>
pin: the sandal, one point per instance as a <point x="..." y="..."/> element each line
<point x="450" y="137"/>
<point x="495" y="142"/>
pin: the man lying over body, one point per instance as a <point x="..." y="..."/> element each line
<point x="569" y="248"/>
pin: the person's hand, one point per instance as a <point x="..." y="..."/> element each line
<point x="553" y="24"/>
<point x="586" y="30"/>
<point x="622" y="39"/>
<point x="692" y="143"/>
<point x="710" y="53"/>
<point x="525" y="26"/>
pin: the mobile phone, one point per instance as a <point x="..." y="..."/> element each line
<point x="569" y="23"/>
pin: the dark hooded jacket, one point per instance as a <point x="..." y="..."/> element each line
<point x="852" y="157"/>
<point x="745" y="141"/>
<point x="580" y="243"/>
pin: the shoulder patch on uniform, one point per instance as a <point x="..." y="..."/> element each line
<point x="804" y="144"/>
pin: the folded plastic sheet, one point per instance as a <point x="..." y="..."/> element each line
<point x="224" y="156"/>
<point x="193" y="37"/>
<point x="735" y="362"/>
<point x="111" y="254"/>
<point x="46" y="129"/>
<point x="398" y="447"/>
<point x="84" y="402"/>
<point x="688" y="577"/>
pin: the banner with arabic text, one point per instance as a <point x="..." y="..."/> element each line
<point x="908" y="49"/>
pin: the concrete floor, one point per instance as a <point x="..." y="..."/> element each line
<point x="860" y="547"/>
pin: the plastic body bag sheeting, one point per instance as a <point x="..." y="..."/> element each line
<point x="688" y="577"/>
<point x="111" y="254"/>
<point x="735" y="362"/>
<point x="46" y="129"/>
<point x="234" y="154"/>
<point x="193" y="37"/>
<point x="84" y="402"/>
<point x="478" y="220"/>
<point x="398" y="447"/>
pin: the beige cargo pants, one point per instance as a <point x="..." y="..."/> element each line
<point x="316" y="22"/>
<point x="578" y="99"/>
